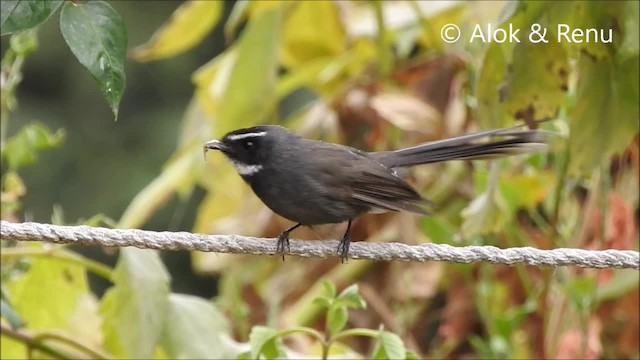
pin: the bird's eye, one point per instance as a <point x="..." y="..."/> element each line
<point x="248" y="145"/>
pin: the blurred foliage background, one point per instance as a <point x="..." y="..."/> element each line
<point x="374" y="75"/>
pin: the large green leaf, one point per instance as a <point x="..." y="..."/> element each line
<point x="507" y="85"/>
<point x="195" y="329"/>
<point x="45" y="297"/>
<point x="389" y="346"/>
<point x="491" y="110"/>
<point x="18" y="15"/>
<point x="135" y="309"/>
<point x="538" y="81"/>
<point x="97" y="37"/>
<point x="48" y="292"/>
<point x="604" y="118"/>
<point x="264" y="344"/>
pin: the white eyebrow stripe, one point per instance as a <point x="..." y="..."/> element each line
<point x="247" y="135"/>
<point x="246" y="170"/>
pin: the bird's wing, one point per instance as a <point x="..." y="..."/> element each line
<point x="355" y="177"/>
<point x="387" y="191"/>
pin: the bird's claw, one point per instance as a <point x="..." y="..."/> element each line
<point x="343" y="249"/>
<point x="283" y="244"/>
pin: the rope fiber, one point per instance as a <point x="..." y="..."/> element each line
<point x="86" y="235"/>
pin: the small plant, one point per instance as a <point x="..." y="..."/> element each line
<point x="267" y="342"/>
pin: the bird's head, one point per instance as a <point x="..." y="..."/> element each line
<point x="249" y="149"/>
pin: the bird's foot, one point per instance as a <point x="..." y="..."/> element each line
<point x="343" y="249"/>
<point x="283" y="244"/>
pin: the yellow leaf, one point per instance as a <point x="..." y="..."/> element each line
<point x="237" y="88"/>
<point x="312" y="30"/>
<point x="211" y="81"/>
<point x="186" y="28"/>
<point x="48" y="293"/>
<point x="258" y="7"/>
<point x="180" y="172"/>
<point x="526" y="190"/>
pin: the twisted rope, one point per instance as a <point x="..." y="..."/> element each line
<point x="86" y="235"/>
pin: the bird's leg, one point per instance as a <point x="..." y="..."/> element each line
<point x="283" y="241"/>
<point x="343" y="247"/>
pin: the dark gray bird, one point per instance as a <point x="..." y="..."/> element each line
<point x="313" y="182"/>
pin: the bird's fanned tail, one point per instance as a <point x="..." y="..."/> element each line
<point x="501" y="142"/>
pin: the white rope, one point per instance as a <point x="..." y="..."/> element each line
<point x="86" y="235"/>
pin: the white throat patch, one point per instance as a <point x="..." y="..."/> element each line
<point x="246" y="170"/>
<point x="247" y="135"/>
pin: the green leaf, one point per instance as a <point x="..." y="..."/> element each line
<point x="244" y="356"/>
<point x="538" y="187"/>
<point x="186" y="28"/>
<point x="438" y="229"/>
<point x="19" y="15"/>
<point x="622" y="282"/>
<point x="22" y="149"/>
<point x="263" y="343"/>
<point x="195" y="329"/>
<point x="590" y="15"/>
<point x="6" y="8"/>
<point x="538" y="82"/>
<point x="631" y="18"/>
<point x="322" y="301"/>
<point x="389" y="346"/>
<point x="330" y="290"/>
<point x="581" y="290"/>
<point x="45" y="297"/>
<point x="97" y="37"/>
<point x="336" y="319"/>
<point x="488" y="212"/>
<point x="350" y="298"/>
<point x="135" y="308"/>
<point x="491" y="110"/>
<point x="604" y="119"/>
<point x="47" y="294"/>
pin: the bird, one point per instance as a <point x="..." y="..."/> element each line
<point x="312" y="182"/>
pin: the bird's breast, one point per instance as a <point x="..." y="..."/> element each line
<point x="305" y="197"/>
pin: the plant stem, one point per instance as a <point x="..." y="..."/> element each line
<point x="93" y="354"/>
<point x="356" y="332"/>
<point x="61" y="254"/>
<point x="31" y="343"/>
<point x="557" y="195"/>
<point x="384" y="46"/>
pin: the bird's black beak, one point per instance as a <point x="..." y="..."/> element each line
<point x="214" y="145"/>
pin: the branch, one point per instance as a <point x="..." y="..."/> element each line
<point x="86" y="235"/>
<point x="30" y="342"/>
